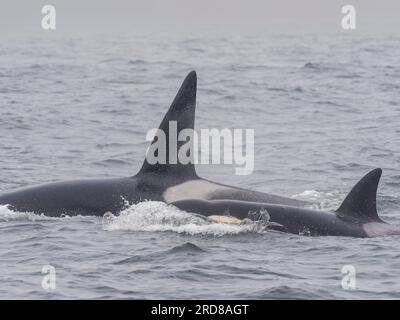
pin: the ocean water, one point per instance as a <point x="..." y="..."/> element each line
<point x="325" y="110"/>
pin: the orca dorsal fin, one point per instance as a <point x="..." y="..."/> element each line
<point x="182" y="113"/>
<point x="360" y="203"/>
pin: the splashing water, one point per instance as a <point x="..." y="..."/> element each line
<point x="157" y="216"/>
<point x="6" y="214"/>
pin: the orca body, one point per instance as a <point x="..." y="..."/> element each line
<point x="356" y="217"/>
<point x="157" y="182"/>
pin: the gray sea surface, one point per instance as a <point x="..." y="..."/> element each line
<point x="325" y="110"/>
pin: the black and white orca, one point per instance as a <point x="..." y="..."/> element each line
<point x="157" y="182"/>
<point x="356" y="217"/>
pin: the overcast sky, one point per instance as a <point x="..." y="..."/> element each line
<point x="20" y="17"/>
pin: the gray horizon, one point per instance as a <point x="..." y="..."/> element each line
<point x="176" y="17"/>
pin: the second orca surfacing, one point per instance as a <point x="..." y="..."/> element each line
<point x="356" y="217"/>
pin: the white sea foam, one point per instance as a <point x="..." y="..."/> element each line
<point x="320" y="200"/>
<point x="158" y="216"/>
<point x="150" y="216"/>
<point x="6" y="214"/>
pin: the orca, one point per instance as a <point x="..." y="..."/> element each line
<point x="157" y="182"/>
<point x="356" y="217"/>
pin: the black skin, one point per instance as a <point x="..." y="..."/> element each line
<point x="96" y="197"/>
<point x="291" y="219"/>
<point x="86" y="197"/>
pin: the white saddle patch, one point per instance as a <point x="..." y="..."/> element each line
<point x="376" y="229"/>
<point x="193" y="189"/>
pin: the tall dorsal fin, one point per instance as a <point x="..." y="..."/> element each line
<point x="360" y="203"/>
<point x="181" y="112"/>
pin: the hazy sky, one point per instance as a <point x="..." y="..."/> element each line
<point x="212" y="16"/>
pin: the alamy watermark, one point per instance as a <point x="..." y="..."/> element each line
<point x="49" y="19"/>
<point x="349" y="277"/>
<point x="349" y="19"/>
<point x="49" y="278"/>
<point x="202" y="148"/>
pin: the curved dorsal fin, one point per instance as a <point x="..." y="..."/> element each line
<point x="360" y="203"/>
<point x="181" y="113"/>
